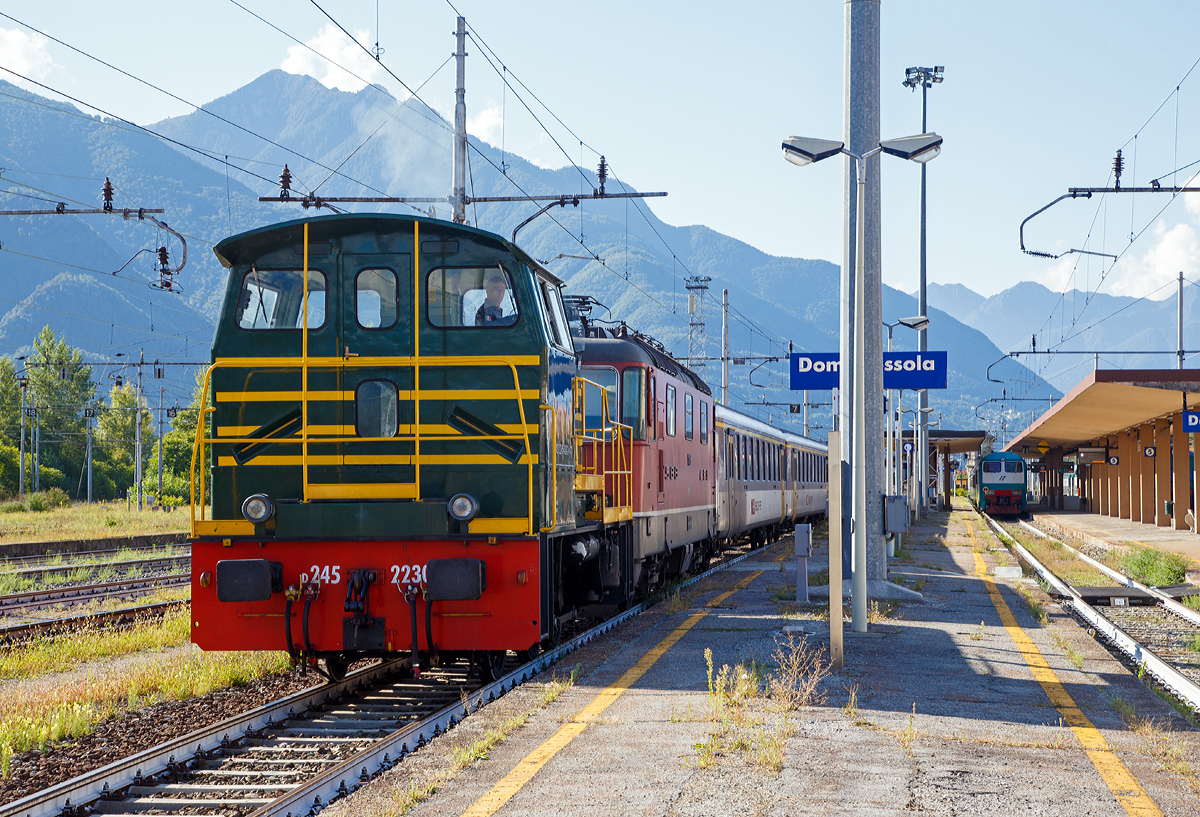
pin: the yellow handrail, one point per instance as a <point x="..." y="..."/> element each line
<point x="553" y="468"/>
<point x="203" y="439"/>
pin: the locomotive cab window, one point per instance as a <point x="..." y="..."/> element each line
<point x="595" y="399"/>
<point x="470" y="297"/>
<point x="270" y="299"/>
<point x="633" y="400"/>
<point x="376" y="409"/>
<point x="375" y="298"/>
<point x="556" y="317"/>
<point x="994" y="467"/>
<point x="670" y="410"/>
<point x="1014" y="467"/>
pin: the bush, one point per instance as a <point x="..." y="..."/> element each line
<point x="1156" y="568"/>
<point x="37" y="503"/>
<point x="13" y="507"/>
<point x="56" y="497"/>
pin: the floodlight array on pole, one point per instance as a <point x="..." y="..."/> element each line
<point x="802" y="151"/>
<point x="924" y="78"/>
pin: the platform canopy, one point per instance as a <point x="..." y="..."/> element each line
<point x="1108" y="401"/>
<point x="955" y="442"/>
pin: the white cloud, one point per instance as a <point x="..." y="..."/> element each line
<point x="333" y="44"/>
<point x="25" y="54"/>
<point x="487" y="124"/>
<point x="1173" y="249"/>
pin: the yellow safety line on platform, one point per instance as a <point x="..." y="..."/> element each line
<point x="1120" y="781"/>
<point x="515" y="780"/>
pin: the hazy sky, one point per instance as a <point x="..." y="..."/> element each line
<point x="695" y="97"/>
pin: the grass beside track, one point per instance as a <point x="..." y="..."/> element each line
<point x="89" y="569"/>
<point x="83" y="521"/>
<point x="35" y="712"/>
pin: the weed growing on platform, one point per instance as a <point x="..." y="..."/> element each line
<point x="1035" y="607"/>
<point x="878" y="614"/>
<point x="1193" y="644"/>
<point x="782" y="593"/>
<point x="907" y="735"/>
<point x="850" y="708"/>
<point x="557" y="685"/>
<point x="1167" y="749"/>
<point x="978" y="636"/>
<point x="800" y="670"/>
<point x="1156" y="568"/>
<point x="1067" y="649"/>
<point x="1192" y="601"/>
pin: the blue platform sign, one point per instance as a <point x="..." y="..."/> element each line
<point x="816" y="371"/>
<point x="914" y="370"/>
<point x="819" y="371"/>
<point x="1191" y="422"/>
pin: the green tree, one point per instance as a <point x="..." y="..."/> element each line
<point x="60" y="386"/>
<point x="116" y="433"/>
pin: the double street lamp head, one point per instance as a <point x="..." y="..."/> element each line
<point x="922" y="147"/>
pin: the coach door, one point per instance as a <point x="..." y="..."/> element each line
<point x="376" y="318"/>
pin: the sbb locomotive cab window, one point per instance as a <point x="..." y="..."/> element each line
<point x="633" y="401"/>
<point x="375" y="297"/>
<point x="470" y="297"/>
<point x="270" y="299"/>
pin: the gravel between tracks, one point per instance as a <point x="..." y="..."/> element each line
<point x="136" y="731"/>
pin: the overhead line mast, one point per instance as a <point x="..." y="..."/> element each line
<point x="458" y="198"/>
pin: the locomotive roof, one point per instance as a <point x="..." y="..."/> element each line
<point x="736" y="418"/>
<point x="262" y="239"/>
<point x="632" y="349"/>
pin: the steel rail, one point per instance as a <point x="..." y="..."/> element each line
<point x="1166" y="675"/>
<point x="75" y="795"/>
<point x="22" y="632"/>
<point x="1171" y="604"/>
<point x="62" y="570"/>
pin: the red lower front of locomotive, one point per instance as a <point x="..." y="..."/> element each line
<point x="362" y="596"/>
<point x="1004" y="502"/>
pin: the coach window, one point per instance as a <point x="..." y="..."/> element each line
<point x="270" y="299"/>
<point x="703" y="423"/>
<point x="670" y="410"/>
<point x="687" y="416"/>
<point x="375" y="409"/>
<point x="470" y="296"/>
<point x="633" y="400"/>
<point x="375" y="297"/>
<point x="743" y="465"/>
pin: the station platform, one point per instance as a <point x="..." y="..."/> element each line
<point x="962" y="703"/>
<point x="1101" y="529"/>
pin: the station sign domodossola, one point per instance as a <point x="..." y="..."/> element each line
<point x="819" y="371"/>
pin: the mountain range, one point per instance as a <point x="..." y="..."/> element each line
<point x="88" y="276"/>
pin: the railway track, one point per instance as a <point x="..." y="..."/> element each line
<point x="296" y="755"/>
<point x="1152" y="637"/>
<point x="17" y="603"/>
<point x="124" y="617"/>
<point x="44" y="573"/>
<point x="84" y="558"/>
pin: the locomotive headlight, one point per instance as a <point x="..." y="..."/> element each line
<point x="462" y="507"/>
<point x="258" y="508"/>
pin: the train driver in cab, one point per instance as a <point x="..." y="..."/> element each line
<point x="491" y="311"/>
